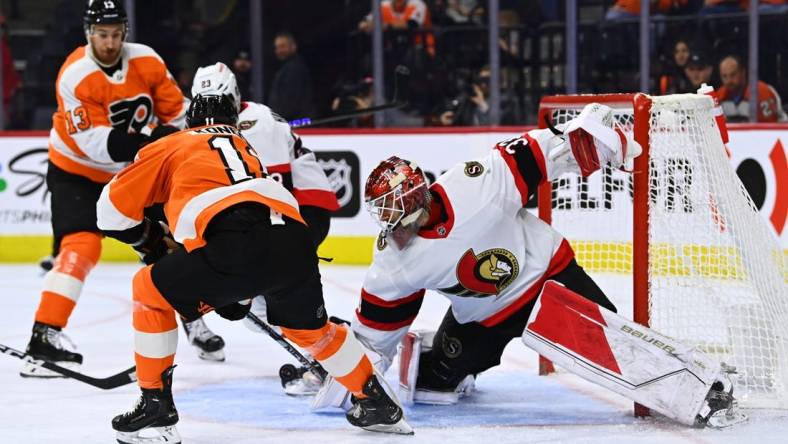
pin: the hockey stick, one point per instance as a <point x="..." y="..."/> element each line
<point x="118" y="380"/>
<point x="401" y="75"/>
<point x="313" y="366"/>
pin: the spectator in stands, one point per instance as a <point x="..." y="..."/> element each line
<point x="472" y="108"/>
<point x="463" y="12"/>
<point x="734" y="94"/>
<point x="773" y="6"/>
<point x="673" y="80"/>
<point x="242" y="67"/>
<point x="698" y="71"/>
<point x="629" y="9"/>
<point x="356" y="96"/>
<point x="291" y="90"/>
<point x="404" y="15"/>
<point x="722" y="6"/>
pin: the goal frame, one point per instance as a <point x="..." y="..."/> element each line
<point x="641" y="105"/>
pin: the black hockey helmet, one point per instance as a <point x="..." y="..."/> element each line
<point x="105" y="12"/>
<point x="211" y="110"/>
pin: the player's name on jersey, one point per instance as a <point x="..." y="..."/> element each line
<point x="219" y="129"/>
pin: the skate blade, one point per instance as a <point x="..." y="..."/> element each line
<point x="217" y="356"/>
<point x="401" y="427"/>
<point x="168" y="435"/>
<point x="30" y="370"/>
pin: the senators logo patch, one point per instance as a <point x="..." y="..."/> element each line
<point x="484" y="274"/>
<point x="246" y="124"/>
<point x="473" y="169"/>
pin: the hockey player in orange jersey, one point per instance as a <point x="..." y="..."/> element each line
<point x="242" y="235"/>
<point x="110" y="95"/>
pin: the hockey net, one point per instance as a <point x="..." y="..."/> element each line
<point x="707" y="268"/>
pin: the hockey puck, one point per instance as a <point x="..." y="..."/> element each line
<point x="288" y="373"/>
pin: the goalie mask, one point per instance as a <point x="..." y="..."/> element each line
<point x="216" y="80"/>
<point x="211" y="110"/>
<point x="397" y="197"/>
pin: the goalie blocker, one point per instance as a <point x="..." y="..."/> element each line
<point x="632" y="360"/>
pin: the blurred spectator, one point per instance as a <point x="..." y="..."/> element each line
<point x="630" y="9"/>
<point x="462" y="12"/>
<point x="735" y="94"/>
<point x="698" y="71"/>
<point x="673" y="80"/>
<point x="359" y="95"/>
<point x="404" y="15"/>
<point x="10" y="77"/>
<point x="471" y="107"/>
<point x="773" y="6"/>
<point x="291" y="90"/>
<point x="242" y="67"/>
<point x="722" y="6"/>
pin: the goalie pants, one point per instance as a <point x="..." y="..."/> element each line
<point x="459" y="350"/>
<point x="245" y="255"/>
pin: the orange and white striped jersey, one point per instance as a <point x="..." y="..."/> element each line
<point x="196" y="173"/>
<point x="90" y="104"/>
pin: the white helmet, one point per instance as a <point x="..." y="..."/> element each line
<point x="214" y="80"/>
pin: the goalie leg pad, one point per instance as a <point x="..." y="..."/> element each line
<point x="627" y="358"/>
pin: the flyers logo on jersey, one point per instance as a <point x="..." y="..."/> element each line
<point x="131" y="114"/>
<point x="484" y="274"/>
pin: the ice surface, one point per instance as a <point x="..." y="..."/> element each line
<point x="240" y="400"/>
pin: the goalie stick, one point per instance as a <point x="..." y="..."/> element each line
<point x="313" y="366"/>
<point x="118" y="380"/>
<point x="401" y="75"/>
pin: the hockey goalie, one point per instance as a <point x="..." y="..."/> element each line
<point x="509" y="275"/>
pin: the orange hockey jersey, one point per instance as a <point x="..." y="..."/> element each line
<point x="90" y="104"/>
<point x="196" y="173"/>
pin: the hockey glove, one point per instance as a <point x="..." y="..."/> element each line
<point x="235" y="311"/>
<point x="161" y="131"/>
<point x="155" y="242"/>
<point x="595" y="142"/>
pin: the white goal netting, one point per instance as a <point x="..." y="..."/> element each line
<point x="716" y="272"/>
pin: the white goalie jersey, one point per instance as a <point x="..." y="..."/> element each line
<point x="280" y="151"/>
<point x="488" y="254"/>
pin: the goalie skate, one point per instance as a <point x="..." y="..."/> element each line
<point x="299" y="381"/>
<point x="721" y="409"/>
<point x="208" y="344"/>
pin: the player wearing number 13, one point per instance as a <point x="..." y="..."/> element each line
<point x="109" y="95"/>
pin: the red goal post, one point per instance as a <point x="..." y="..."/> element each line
<point x="706" y="268"/>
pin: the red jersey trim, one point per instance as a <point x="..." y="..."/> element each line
<point x="563" y="255"/>
<point x="538" y="155"/>
<point x="519" y="181"/>
<point x="317" y="198"/>
<point x="279" y="168"/>
<point x="441" y="229"/>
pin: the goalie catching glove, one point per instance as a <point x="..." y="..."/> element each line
<point x="591" y="141"/>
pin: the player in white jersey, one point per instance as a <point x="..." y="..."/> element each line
<point x="508" y="274"/>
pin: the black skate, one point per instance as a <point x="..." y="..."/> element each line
<point x="209" y="345"/>
<point x="378" y="412"/>
<point x="45" y="344"/>
<point x="154" y="414"/>
<point x="720" y="408"/>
